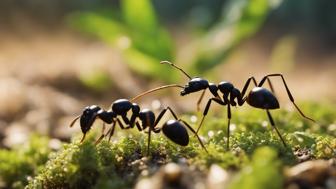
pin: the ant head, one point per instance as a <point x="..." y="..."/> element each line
<point x="194" y="85"/>
<point x="88" y="117"/>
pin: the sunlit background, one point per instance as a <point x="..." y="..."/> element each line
<point x="56" y="57"/>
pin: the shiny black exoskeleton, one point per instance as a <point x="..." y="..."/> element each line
<point x="175" y="130"/>
<point x="119" y="108"/>
<point x="258" y="97"/>
<point x="144" y="119"/>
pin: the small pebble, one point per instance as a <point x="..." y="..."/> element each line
<point x="172" y="172"/>
<point x="217" y="177"/>
<point x="313" y="173"/>
<point x="147" y="184"/>
<point x="16" y="134"/>
<point x="55" y="144"/>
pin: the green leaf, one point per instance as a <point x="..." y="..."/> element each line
<point x="148" y="65"/>
<point x="99" y="26"/>
<point x="139" y="15"/>
<point x="147" y="34"/>
<point x="98" y="80"/>
<point x="142" y="41"/>
<point x="241" y="20"/>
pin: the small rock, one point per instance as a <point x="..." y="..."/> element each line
<point x="12" y="97"/>
<point x="217" y="177"/>
<point x="15" y="134"/>
<point x="55" y="144"/>
<point x="172" y="173"/>
<point x="174" y="176"/>
<point x="148" y="183"/>
<point x="316" y="173"/>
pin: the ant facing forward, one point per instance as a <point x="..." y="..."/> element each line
<point x="258" y="97"/>
<point x="175" y="130"/>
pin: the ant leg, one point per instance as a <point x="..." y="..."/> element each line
<point x="162" y="113"/>
<point x="138" y="126"/>
<point x="270" y="85"/>
<point x="132" y="121"/>
<point x="83" y="137"/>
<point x="121" y="125"/>
<point x="205" y="112"/>
<point x="172" y="112"/>
<point x="273" y="125"/>
<point x="247" y="83"/>
<point x="148" y="142"/>
<point x="193" y="131"/>
<point x="228" y="126"/>
<point x="255" y="84"/>
<point x="111" y="130"/>
<point x="135" y="114"/>
<point x="149" y="133"/>
<point x="126" y="120"/>
<point x="288" y="93"/>
<point x="160" y="116"/>
<point x="200" y="100"/>
<point x="101" y="136"/>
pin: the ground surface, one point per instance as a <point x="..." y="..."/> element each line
<point x="256" y="159"/>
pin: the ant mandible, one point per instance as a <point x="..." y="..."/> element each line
<point x="258" y="97"/>
<point x="173" y="129"/>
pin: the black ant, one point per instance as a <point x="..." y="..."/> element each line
<point x="173" y="129"/>
<point x="258" y="97"/>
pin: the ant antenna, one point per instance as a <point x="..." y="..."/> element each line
<point x="74" y="121"/>
<point x="167" y="62"/>
<point x="155" y="89"/>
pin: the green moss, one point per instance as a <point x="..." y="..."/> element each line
<point x="22" y="163"/>
<point x="256" y="153"/>
<point x="263" y="172"/>
<point x="110" y="165"/>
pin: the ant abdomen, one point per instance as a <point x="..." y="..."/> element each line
<point x="262" y="98"/>
<point x="175" y="131"/>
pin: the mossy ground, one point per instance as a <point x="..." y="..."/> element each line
<point x="119" y="164"/>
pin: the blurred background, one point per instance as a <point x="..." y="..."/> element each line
<point x="56" y="57"/>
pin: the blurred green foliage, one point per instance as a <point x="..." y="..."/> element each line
<point x="97" y="80"/>
<point x="144" y="41"/>
<point x="138" y="34"/>
<point x="241" y="19"/>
